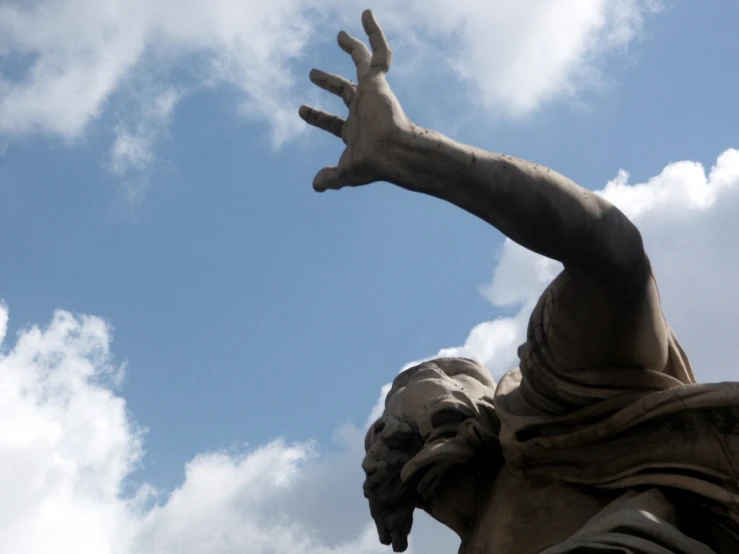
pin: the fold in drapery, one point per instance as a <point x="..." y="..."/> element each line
<point x="634" y="524"/>
<point x="620" y="428"/>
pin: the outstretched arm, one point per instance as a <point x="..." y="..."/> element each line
<point x="610" y="310"/>
<point x="531" y="204"/>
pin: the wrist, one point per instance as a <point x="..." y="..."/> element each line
<point x="422" y="160"/>
<point x="410" y="155"/>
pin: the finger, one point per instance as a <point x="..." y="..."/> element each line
<point x="323" y="120"/>
<point x="382" y="56"/>
<point x="385" y="537"/>
<point x="334" y="84"/>
<point x="358" y="50"/>
<point x="400" y="542"/>
<point x="328" y="178"/>
<point x="382" y="531"/>
<point x="400" y="523"/>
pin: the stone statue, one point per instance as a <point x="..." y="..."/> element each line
<point x="601" y="441"/>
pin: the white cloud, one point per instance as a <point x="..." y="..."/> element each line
<point x="137" y="133"/>
<point x="77" y="53"/>
<point x="133" y="147"/>
<point x="519" y="55"/>
<point x="67" y="446"/>
<point x="75" y="59"/>
<point x="379" y="406"/>
<point x="3" y="322"/>
<point x="67" y="443"/>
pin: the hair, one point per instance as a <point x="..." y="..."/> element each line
<point x="411" y="447"/>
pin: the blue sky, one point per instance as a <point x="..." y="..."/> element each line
<point x="154" y="174"/>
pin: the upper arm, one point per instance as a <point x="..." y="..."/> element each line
<point x="606" y="320"/>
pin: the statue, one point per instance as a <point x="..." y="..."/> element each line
<point x="600" y="441"/>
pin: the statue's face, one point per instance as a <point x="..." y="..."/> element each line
<point x="418" y="430"/>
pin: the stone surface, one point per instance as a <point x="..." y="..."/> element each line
<point x="600" y="441"/>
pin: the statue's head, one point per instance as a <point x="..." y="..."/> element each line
<point x="438" y="416"/>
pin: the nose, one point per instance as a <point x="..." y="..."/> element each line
<point x="369" y="467"/>
<point x="374" y="468"/>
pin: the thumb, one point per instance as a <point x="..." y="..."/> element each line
<point x="327" y="178"/>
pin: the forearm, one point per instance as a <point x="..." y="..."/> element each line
<point x="531" y="204"/>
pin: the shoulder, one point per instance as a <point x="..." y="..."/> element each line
<point x="584" y="321"/>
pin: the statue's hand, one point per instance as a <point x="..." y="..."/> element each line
<point x="376" y="121"/>
<point x="390" y="444"/>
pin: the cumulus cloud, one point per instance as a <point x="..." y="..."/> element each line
<point x="66" y="442"/>
<point x="63" y="63"/>
<point x="68" y="445"/>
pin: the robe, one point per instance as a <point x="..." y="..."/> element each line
<point x="654" y="431"/>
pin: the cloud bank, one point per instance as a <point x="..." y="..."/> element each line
<point x="68" y="444"/>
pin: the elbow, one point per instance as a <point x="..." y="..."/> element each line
<point x="620" y="250"/>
